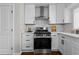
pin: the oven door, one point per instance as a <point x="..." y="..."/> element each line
<point x="42" y="43"/>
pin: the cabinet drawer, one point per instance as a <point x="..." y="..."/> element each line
<point x="27" y="40"/>
<point x="27" y="45"/>
<point x="27" y="35"/>
<point x="27" y="48"/>
<point x="53" y="35"/>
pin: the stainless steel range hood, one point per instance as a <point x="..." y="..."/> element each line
<point x="41" y="16"/>
<point x="41" y="11"/>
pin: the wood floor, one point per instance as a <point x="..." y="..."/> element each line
<point x="32" y="53"/>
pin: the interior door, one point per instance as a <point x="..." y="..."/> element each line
<point x="6" y="25"/>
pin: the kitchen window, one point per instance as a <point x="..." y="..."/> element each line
<point x="76" y="18"/>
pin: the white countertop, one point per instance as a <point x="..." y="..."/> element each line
<point x="69" y="34"/>
<point x="64" y="33"/>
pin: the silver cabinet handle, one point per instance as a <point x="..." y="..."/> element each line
<point x="53" y="35"/>
<point x="27" y="46"/>
<point x="27" y="35"/>
<point x="27" y="40"/>
<point x="63" y="37"/>
<point x="62" y="42"/>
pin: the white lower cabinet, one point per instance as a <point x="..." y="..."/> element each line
<point x="75" y="48"/>
<point x="71" y="46"/>
<point x="65" y="44"/>
<point x="68" y="45"/>
<point x="54" y="44"/>
<point x="61" y="43"/>
<point x="27" y="42"/>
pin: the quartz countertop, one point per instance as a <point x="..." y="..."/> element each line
<point x="69" y="34"/>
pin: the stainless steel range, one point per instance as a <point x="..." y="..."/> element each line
<point x="42" y="40"/>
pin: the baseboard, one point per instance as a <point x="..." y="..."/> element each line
<point x="17" y="53"/>
<point x="55" y="49"/>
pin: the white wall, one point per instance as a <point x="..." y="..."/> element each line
<point x="69" y="27"/>
<point x="76" y="18"/>
<point x="18" y="26"/>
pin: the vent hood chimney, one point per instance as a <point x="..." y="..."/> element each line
<point x="41" y="11"/>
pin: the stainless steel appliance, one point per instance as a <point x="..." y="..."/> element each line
<point x="42" y="40"/>
<point x="43" y="11"/>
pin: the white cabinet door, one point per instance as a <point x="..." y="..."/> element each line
<point x="67" y="15"/>
<point x="59" y="41"/>
<point x="54" y="41"/>
<point x="27" y="41"/>
<point x="52" y="14"/>
<point x="67" y="46"/>
<point x="75" y="48"/>
<point x="29" y="13"/>
<point x="60" y="13"/>
<point x="61" y="44"/>
<point x="6" y="24"/>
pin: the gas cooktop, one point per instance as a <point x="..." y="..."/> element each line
<point x="42" y="34"/>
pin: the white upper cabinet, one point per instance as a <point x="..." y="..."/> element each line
<point x="67" y="15"/>
<point x="60" y="13"/>
<point x="52" y="13"/>
<point x="29" y="13"/>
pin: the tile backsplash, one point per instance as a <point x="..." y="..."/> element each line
<point x="43" y="23"/>
<point x="29" y="26"/>
<point x="39" y="23"/>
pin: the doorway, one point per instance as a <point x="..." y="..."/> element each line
<point x="6" y="29"/>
